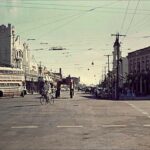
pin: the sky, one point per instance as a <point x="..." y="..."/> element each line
<point x="83" y="27"/>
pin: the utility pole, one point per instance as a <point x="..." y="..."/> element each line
<point x="117" y="46"/>
<point x="105" y="71"/>
<point x="108" y="72"/>
<point x="40" y="69"/>
<point x="108" y="61"/>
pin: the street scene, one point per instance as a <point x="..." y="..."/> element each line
<point x="81" y="123"/>
<point x="74" y="75"/>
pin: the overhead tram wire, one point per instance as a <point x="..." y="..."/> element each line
<point x="132" y="19"/>
<point x="66" y="23"/>
<point x="84" y="10"/>
<point x="81" y="10"/>
<point x="35" y="3"/>
<point x="43" y="25"/>
<point x="130" y="9"/>
<point x="124" y="18"/>
<point x="61" y="19"/>
<point x="76" y="17"/>
<point x="70" y="21"/>
<point x="141" y="23"/>
<point x="64" y="5"/>
<point x="55" y="8"/>
<point x="86" y="6"/>
<point x="44" y="8"/>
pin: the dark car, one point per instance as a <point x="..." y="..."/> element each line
<point x="88" y="90"/>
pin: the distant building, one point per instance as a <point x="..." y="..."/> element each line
<point x="11" y="49"/>
<point x="139" y="71"/>
<point x="76" y="80"/>
<point x="59" y="74"/>
<point x="124" y="68"/>
<point x="139" y="60"/>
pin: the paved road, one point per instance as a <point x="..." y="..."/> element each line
<point x="81" y="123"/>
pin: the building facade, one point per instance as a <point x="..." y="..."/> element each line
<point x="11" y="49"/>
<point x="139" y="71"/>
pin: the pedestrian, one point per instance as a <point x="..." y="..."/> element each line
<point x="71" y="88"/>
<point x="129" y="94"/>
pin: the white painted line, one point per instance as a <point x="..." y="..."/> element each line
<point x="114" y="125"/>
<point x="146" y="125"/>
<point x="70" y="126"/>
<point x="139" y="110"/>
<point x="145" y="113"/>
<point x="23" y="127"/>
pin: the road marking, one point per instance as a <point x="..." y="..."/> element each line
<point x="70" y="126"/>
<point x="114" y="125"/>
<point x="23" y="127"/>
<point x="139" y="110"/>
<point x="146" y="125"/>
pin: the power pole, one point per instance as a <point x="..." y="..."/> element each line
<point x="117" y="46"/>
<point x="108" y="61"/>
<point x="108" y="72"/>
<point x="105" y="74"/>
<point x="40" y="69"/>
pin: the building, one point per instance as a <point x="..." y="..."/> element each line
<point x="26" y="58"/>
<point x="123" y="69"/>
<point x="139" y="71"/>
<point x="123" y="65"/>
<point x="11" y="49"/>
<point x="76" y="81"/>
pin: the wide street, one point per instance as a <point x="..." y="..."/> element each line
<point x="81" y="123"/>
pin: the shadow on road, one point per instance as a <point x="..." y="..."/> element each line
<point x="91" y="97"/>
<point x="25" y="106"/>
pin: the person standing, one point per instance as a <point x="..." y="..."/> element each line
<point x="46" y="90"/>
<point x="71" y="88"/>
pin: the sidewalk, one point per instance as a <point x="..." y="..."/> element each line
<point x="135" y="97"/>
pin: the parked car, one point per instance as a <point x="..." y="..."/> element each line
<point x="98" y="92"/>
<point x="88" y="90"/>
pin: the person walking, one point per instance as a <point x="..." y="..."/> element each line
<point x="46" y="90"/>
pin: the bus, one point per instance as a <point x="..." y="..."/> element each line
<point x="12" y="82"/>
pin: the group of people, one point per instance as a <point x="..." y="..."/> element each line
<point x="45" y="88"/>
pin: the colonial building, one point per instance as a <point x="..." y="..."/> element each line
<point x="139" y="71"/>
<point x="11" y="49"/>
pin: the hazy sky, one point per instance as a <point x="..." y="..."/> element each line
<point x="83" y="27"/>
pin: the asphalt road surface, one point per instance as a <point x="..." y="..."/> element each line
<point x="81" y="123"/>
